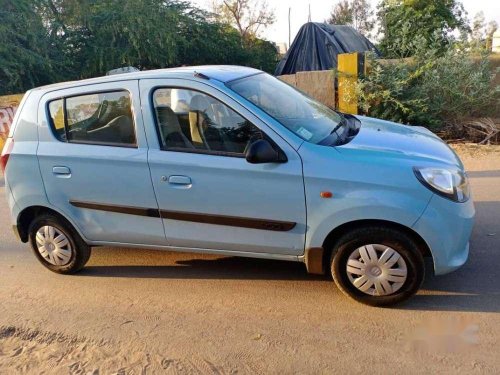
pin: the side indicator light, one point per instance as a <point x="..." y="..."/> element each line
<point x="326" y="194"/>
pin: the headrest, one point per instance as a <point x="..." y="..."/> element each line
<point x="199" y="103"/>
<point x="166" y="114"/>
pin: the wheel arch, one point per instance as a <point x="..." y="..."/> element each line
<point x="28" y="214"/>
<point x="317" y="259"/>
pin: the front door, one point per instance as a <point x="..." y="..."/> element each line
<point x="209" y="196"/>
<point x="93" y="160"/>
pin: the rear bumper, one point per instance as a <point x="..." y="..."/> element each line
<point x="13" y="208"/>
<point x="446" y="227"/>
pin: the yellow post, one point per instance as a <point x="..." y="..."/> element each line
<point x="350" y="65"/>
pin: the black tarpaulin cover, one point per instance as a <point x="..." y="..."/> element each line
<point x="317" y="45"/>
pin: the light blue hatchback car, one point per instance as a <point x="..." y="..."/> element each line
<point x="229" y="160"/>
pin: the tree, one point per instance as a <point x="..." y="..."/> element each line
<point x="27" y="56"/>
<point x="482" y="33"/>
<point x="342" y="14"/>
<point x="490" y="30"/>
<point x="357" y="13"/>
<point x="45" y="41"/>
<point x="491" y="27"/>
<point x="147" y="34"/>
<point x="99" y="36"/>
<point x="478" y="26"/>
<point x="408" y="23"/>
<point x="249" y="17"/>
<point x="362" y="16"/>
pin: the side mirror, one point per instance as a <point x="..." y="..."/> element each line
<point x="262" y="151"/>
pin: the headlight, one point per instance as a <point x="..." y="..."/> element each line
<point x="449" y="183"/>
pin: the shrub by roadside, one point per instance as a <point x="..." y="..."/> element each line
<point x="444" y="92"/>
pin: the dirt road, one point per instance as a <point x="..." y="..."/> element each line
<point x="134" y="311"/>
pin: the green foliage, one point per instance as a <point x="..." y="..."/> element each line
<point x="27" y="58"/>
<point x="406" y="24"/>
<point x="341" y="14"/>
<point x="261" y="54"/>
<point x="43" y="41"/>
<point x="355" y="13"/>
<point x="437" y="90"/>
<point x="249" y="17"/>
<point x="482" y="33"/>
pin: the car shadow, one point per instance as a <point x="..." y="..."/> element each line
<point x="474" y="287"/>
<point x="462" y="291"/>
<point x="225" y="268"/>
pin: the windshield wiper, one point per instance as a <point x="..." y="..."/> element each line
<point x="341" y="138"/>
<point x="343" y="122"/>
<point x="328" y="141"/>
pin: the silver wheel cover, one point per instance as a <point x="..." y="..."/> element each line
<point x="53" y="245"/>
<point x="377" y="270"/>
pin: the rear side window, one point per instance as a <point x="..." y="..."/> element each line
<point x="100" y="118"/>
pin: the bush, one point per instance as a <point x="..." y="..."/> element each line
<point x="437" y="91"/>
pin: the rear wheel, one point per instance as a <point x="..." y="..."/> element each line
<point x="377" y="266"/>
<point x="57" y="245"/>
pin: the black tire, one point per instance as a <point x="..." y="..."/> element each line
<point x="80" y="253"/>
<point x="404" y="245"/>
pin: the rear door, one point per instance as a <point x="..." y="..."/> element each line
<point x="93" y="159"/>
<point x="209" y="196"/>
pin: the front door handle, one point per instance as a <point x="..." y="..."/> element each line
<point x="179" y="180"/>
<point x="63" y="172"/>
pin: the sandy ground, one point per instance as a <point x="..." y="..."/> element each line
<point x="138" y="312"/>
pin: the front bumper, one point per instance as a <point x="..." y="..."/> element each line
<point x="446" y="227"/>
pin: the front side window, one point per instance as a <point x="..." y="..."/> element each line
<point x="189" y="120"/>
<point x="310" y="120"/>
<point x="101" y="118"/>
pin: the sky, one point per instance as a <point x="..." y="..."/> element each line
<point x="320" y="10"/>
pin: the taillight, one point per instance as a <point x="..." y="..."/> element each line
<point x="7" y="149"/>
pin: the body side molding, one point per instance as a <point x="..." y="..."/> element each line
<point x="234" y="221"/>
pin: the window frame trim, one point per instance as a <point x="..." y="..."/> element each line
<point x="194" y="150"/>
<point x="64" y="97"/>
<point x="51" y="121"/>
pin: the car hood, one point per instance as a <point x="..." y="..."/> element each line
<point x="411" y="141"/>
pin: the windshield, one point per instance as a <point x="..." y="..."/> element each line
<point x="310" y="120"/>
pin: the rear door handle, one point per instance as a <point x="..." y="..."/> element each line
<point x="179" y="180"/>
<point x="64" y="172"/>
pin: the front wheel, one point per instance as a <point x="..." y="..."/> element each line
<point x="377" y="266"/>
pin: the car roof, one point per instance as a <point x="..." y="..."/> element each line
<point x="222" y="73"/>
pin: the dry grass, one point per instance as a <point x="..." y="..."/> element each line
<point x="471" y="150"/>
